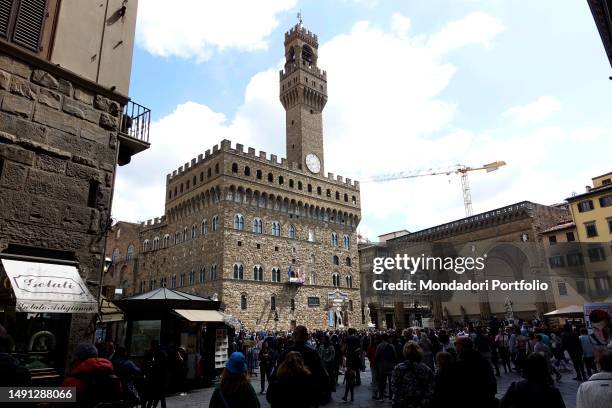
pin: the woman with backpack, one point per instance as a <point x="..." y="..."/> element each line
<point x="412" y="381"/>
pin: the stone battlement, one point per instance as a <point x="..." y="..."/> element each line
<point x="311" y="69"/>
<point x="303" y="34"/>
<point x="157" y="221"/>
<point x="261" y="156"/>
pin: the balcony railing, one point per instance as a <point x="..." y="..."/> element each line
<point x="136" y="121"/>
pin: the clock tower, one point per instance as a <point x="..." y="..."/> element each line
<point x="303" y="93"/>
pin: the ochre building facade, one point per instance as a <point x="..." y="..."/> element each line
<point x="275" y="241"/>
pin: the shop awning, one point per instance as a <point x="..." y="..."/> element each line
<point x="567" y="311"/>
<point x="48" y="287"/>
<point x="201" y="315"/>
<point x="109" y="312"/>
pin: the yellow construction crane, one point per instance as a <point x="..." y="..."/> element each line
<point x="461" y="169"/>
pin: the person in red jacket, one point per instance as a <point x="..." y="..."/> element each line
<point x="93" y="377"/>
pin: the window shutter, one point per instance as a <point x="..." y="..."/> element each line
<point x="5" y="16"/>
<point x="29" y="23"/>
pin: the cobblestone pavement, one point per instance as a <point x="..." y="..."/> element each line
<point x="363" y="394"/>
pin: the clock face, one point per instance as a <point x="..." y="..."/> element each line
<point x="313" y="163"/>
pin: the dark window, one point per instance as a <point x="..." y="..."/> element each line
<point x="209" y="172"/>
<point x="291" y="183"/>
<point x="336" y="260"/>
<point x="556" y="261"/>
<point x="346" y="198"/>
<point x="258" y="174"/>
<point x="596" y="254"/>
<point x="239" y="243"/>
<point x="181" y="187"/>
<point x="552" y="239"/>
<point x="270" y="177"/>
<point x="562" y="288"/>
<point x="292" y="305"/>
<point x="243" y="302"/>
<point x="585" y="206"/>
<point x="591" y="229"/>
<point x="175" y="191"/>
<point x="281" y="180"/>
<point x="580" y="287"/>
<point x="605" y="201"/>
<point x="92" y="197"/>
<point x="610" y="225"/>
<point x="194" y="180"/>
<point x="201" y="176"/>
<point x="187" y="186"/>
<point x="273" y="303"/>
<point x="310" y="188"/>
<point x="319" y="190"/>
<point x="217" y="168"/>
<point x="276" y="249"/>
<point x="606" y="182"/>
<point x="234" y="167"/>
<point x="328" y="192"/>
<point x="348" y="261"/>
<point x="337" y="195"/>
<point x="299" y="185"/>
<point x="575" y="259"/>
<point x="258" y="246"/>
<point x="22" y="22"/>
<point x="570" y="236"/>
<point x="247" y="171"/>
<point x="350" y="305"/>
<point x="354" y="200"/>
<point x="169" y="192"/>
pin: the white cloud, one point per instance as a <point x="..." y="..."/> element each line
<point x="197" y="29"/>
<point x="534" y="112"/>
<point x="385" y="114"/>
<point x="475" y="28"/>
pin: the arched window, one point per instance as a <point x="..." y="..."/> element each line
<point x="291" y="183"/>
<point x="215" y="223"/>
<point x="336" y="260"/>
<point x="311" y="235"/>
<point x="348" y="261"/>
<point x="319" y="190"/>
<point x="194" y="230"/>
<point x="116" y="255"/>
<point x="334" y="239"/>
<point x="204" y="227"/>
<point x="177" y="237"/>
<point x="182" y="281"/>
<point x="166" y="241"/>
<point x="130" y="252"/>
<point x="247" y="171"/>
<point x="238" y="271"/>
<point x="292" y="231"/>
<point x="337" y="195"/>
<point x="273" y="302"/>
<point x="202" y="275"/>
<point x="336" y="279"/>
<point x="270" y="177"/>
<point x="281" y="180"/>
<point x="276" y="229"/>
<point x="145" y="245"/>
<point x="349" y="281"/>
<point x="217" y="168"/>
<point x="299" y="185"/>
<point x="310" y="188"/>
<point x="209" y="172"/>
<point x="155" y="243"/>
<point x="312" y="279"/>
<point x="354" y="200"/>
<point x="257" y="273"/>
<point x="347" y="242"/>
<point x="258" y="174"/>
<point x="213" y="272"/>
<point x="173" y="282"/>
<point x="191" y="277"/>
<point x="234" y="167"/>
<point x="239" y="222"/>
<point x="243" y="301"/>
<point x="257" y="226"/>
<point x="275" y="274"/>
<point x="185" y="234"/>
<point x="328" y="192"/>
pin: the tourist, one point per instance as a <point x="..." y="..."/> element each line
<point x="443" y="381"/>
<point x="292" y="385"/>
<point x="412" y="381"/>
<point x="374" y="342"/>
<point x="235" y="390"/>
<point x="350" y="379"/>
<point x="156" y="375"/>
<point x="265" y="359"/>
<point x="93" y="377"/>
<point x="328" y="356"/>
<point x="128" y="372"/>
<point x="473" y="375"/>
<point x="385" y="362"/>
<point x="597" y="391"/>
<point x="502" y="341"/>
<point x="536" y="390"/>
<point x="571" y="343"/>
<point x="587" y="351"/>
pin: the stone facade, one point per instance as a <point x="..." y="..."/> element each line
<point x="58" y="152"/>
<point x="520" y="224"/>
<point x="236" y="221"/>
<point x="123" y="246"/>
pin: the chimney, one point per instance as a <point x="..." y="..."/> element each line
<point x="588" y="189"/>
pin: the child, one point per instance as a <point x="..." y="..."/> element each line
<point x="350" y="377"/>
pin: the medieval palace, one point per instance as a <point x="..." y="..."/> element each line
<point x="274" y="241"/>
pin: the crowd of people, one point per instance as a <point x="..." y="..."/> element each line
<point x="413" y="368"/>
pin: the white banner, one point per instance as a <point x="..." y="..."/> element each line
<point x="48" y="288"/>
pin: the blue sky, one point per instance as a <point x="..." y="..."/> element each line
<point x="412" y="85"/>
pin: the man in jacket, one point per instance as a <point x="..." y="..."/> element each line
<point x="597" y="391"/>
<point x="385" y="361"/>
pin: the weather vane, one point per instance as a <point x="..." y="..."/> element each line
<point x="299" y="17"/>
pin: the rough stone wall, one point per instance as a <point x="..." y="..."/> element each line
<point x="121" y="272"/>
<point x="58" y="148"/>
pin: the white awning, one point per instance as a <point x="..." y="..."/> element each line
<point x="201" y="315"/>
<point x="48" y="288"/>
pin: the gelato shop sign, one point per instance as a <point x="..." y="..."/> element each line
<point x="48" y="284"/>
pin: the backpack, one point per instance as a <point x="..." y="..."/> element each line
<point x="101" y="389"/>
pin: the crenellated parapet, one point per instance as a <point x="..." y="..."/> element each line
<point x="301" y="33"/>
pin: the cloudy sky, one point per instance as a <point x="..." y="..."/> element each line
<point x="413" y="85"/>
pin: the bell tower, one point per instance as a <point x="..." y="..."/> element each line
<point x="303" y="93"/>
